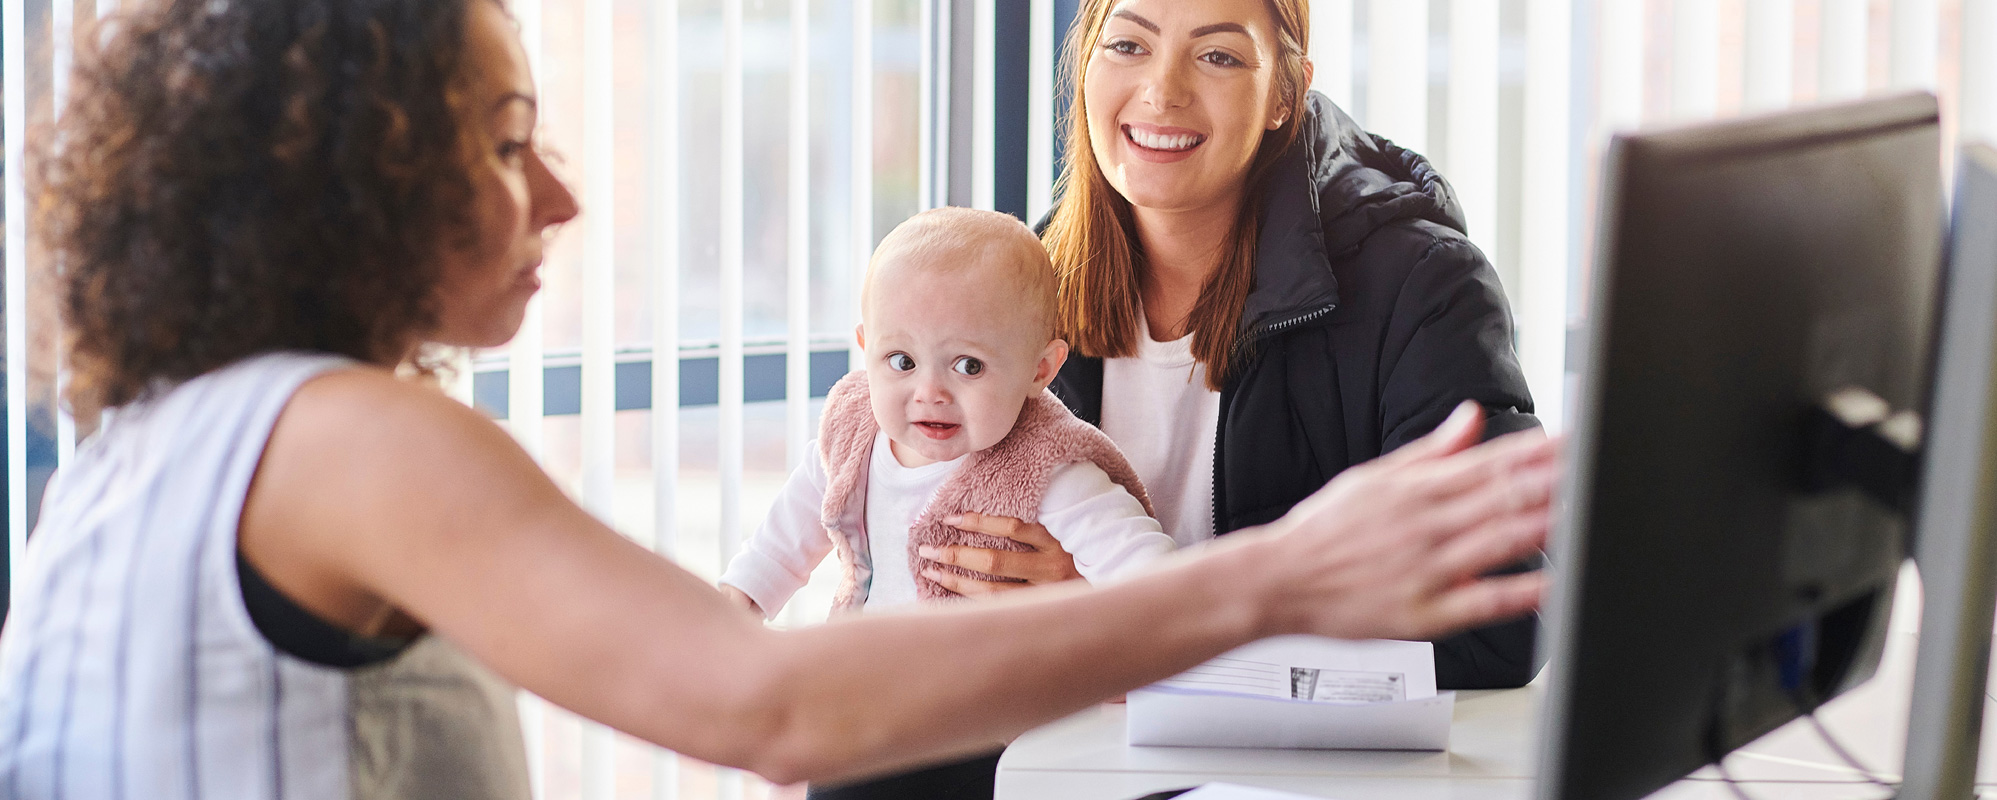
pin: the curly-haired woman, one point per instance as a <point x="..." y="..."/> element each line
<point x="281" y="570"/>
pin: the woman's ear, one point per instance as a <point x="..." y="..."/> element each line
<point x="1281" y="115"/>
<point x="1051" y="358"/>
<point x="1282" y="110"/>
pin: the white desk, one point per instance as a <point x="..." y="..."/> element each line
<point x="1084" y="756"/>
<point x="1491" y="755"/>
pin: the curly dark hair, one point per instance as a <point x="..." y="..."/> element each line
<point x="235" y="177"/>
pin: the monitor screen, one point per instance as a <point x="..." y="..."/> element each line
<point x="1755" y="278"/>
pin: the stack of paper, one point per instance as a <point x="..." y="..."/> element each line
<point x="1300" y="692"/>
<point x="1231" y="791"/>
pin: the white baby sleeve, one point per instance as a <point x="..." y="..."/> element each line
<point x="778" y="560"/>
<point x="1100" y="524"/>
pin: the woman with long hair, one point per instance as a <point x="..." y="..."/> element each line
<point x="1258" y="293"/>
<point x="287" y="566"/>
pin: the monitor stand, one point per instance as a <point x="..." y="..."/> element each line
<point x="1957" y="514"/>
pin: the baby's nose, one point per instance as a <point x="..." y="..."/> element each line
<point x="931" y="390"/>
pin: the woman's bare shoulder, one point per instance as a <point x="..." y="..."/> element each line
<point x="374" y="443"/>
<point x="368" y="391"/>
<point x="369" y="408"/>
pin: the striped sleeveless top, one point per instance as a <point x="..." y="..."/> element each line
<point x="130" y="667"/>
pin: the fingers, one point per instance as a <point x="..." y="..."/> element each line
<point x="1523" y="492"/>
<point x="1030" y="534"/>
<point x="1411" y="536"/>
<point x="1493" y="545"/>
<point x="1045" y="563"/>
<point x="1459" y="431"/>
<point x="976" y="559"/>
<point x="1438" y="498"/>
<point x="1479" y="467"/>
<point x="969" y="587"/>
<point x="1485" y="601"/>
<point x="1441" y="498"/>
<point x="1037" y="566"/>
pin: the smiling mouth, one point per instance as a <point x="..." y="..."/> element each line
<point x="1177" y="143"/>
<point x="938" y="430"/>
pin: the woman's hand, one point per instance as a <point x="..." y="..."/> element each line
<point x="1046" y="563"/>
<point x="1398" y="548"/>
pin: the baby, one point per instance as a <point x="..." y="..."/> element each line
<point x="950" y="415"/>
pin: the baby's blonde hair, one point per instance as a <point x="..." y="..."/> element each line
<point x="951" y="240"/>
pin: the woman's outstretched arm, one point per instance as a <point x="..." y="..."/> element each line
<point x="375" y="494"/>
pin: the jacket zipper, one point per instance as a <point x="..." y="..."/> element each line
<point x="1220" y="427"/>
<point x="1284" y="325"/>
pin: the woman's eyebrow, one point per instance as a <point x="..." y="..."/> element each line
<point x="1141" y="22"/>
<point x="1219" y="27"/>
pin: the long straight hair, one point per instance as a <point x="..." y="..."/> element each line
<point x="1092" y="237"/>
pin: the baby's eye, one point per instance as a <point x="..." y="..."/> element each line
<point x="900" y="362"/>
<point x="969" y="366"/>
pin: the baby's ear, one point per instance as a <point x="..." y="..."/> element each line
<point x="1051" y="358"/>
<point x="860" y="335"/>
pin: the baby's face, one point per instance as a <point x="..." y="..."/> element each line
<point x="952" y="356"/>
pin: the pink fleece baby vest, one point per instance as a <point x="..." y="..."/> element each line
<point x="1008" y="479"/>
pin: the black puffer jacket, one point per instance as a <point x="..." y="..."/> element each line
<point x="1371" y="317"/>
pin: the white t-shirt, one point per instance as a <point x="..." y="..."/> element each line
<point x="1158" y="409"/>
<point x="895" y="496"/>
<point x="1096" y="521"/>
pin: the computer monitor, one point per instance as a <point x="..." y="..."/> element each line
<point x="1726" y="555"/>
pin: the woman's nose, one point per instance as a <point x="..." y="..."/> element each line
<point x="1166" y="84"/>
<point x="551" y="201"/>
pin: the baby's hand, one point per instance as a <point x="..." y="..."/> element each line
<point x="740" y="599"/>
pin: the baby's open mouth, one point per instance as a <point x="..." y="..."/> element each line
<point x="1175" y="143"/>
<point x="938" y="430"/>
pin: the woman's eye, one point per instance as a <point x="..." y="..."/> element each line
<point x="900" y="362"/>
<point x="1221" y="59"/>
<point x="969" y="366"/>
<point x="1124" y="47"/>
<point x="510" y="150"/>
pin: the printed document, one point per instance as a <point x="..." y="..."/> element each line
<point x="1300" y="692"/>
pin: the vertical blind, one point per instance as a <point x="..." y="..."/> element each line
<point x="737" y="160"/>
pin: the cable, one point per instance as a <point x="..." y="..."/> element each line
<point x="1716" y="752"/>
<point x="1845" y="755"/>
<point x="1727" y="776"/>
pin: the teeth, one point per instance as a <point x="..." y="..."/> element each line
<point x="1156" y="142"/>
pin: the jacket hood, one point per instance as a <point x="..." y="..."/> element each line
<point x="1333" y="188"/>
